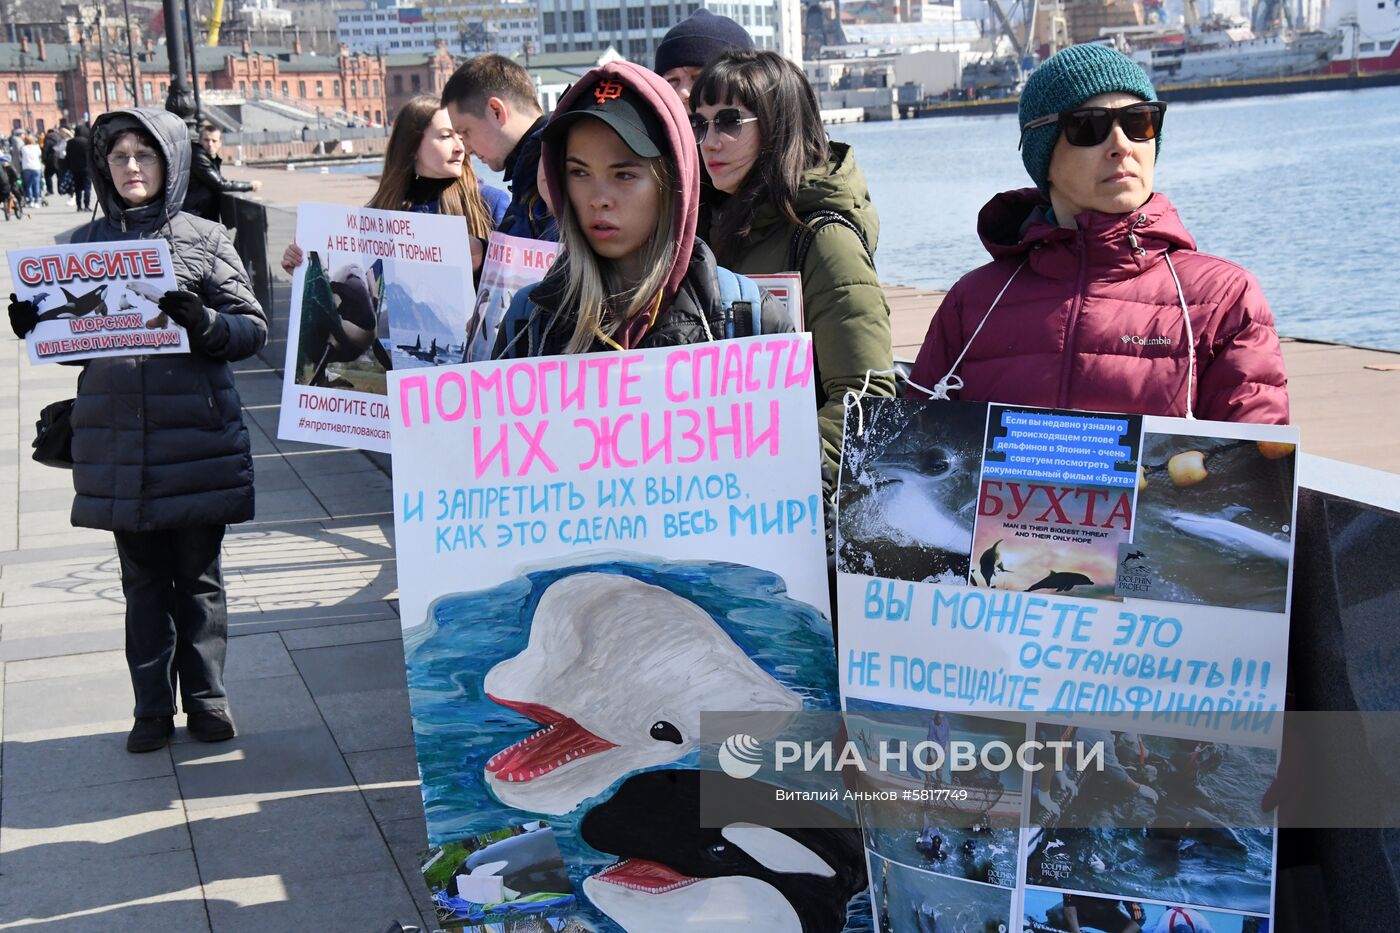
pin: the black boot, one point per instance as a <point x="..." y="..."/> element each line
<point x="210" y="725"/>
<point x="150" y="733"/>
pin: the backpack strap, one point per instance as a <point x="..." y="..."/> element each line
<point x="805" y="235"/>
<point x="741" y="303"/>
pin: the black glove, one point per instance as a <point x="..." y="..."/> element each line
<point x="184" y="309"/>
<point x="23" y="316"/>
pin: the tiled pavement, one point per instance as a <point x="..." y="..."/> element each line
<point x="308" y="821"/>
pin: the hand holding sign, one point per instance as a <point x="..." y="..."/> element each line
<point x="23" y="316"/>
<point x="184" y="309"/>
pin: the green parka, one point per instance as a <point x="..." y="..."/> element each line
<point x="842" y="300"/>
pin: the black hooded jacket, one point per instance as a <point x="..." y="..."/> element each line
<point x="207" y="183"/>
<point x="159" y="441"/>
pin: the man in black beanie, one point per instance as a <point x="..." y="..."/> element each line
<point x="692" y="44"/>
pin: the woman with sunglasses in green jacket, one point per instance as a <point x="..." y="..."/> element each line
<point x="1096" y="297"/>
<point x="786" y="199"/>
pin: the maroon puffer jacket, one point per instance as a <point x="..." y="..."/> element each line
<point x="1093" y="320"/>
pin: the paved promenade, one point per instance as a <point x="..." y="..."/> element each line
<point x="310" y="820"/>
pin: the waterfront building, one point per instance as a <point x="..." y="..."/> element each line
<point x="636" y="27"/>
<point x="468" y="27"/>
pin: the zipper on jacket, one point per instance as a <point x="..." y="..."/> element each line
<point x="1074" y="318"/>
<point x="1133" y="240"/>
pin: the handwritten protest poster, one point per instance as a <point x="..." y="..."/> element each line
<point x="592" y="551"/>
<point x="511" y="263"/>
<point x="97" y="299"/>
<point x="378" y="291"/>
<point x="1015" y="579"/>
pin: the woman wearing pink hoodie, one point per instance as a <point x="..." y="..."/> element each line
<point x="620" y="164"/>
<point x="1096" y="297"/>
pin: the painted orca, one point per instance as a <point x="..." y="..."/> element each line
<point x="75" y="306"/>
<point x="617" y="671"/>
<point x="676" y="874"/>
<point x="529" y="863"/>
<point x="1061" y="582"/>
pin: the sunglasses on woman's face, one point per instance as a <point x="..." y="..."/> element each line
<point x="730" y="123"/>
<point x="1089" y="126"/>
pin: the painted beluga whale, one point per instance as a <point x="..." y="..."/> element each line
<point x="617" y="671"/>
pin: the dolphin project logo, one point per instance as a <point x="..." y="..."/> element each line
<point x="740" y="756"/>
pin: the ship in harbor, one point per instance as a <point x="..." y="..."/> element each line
<point x="1370" y="33"/>
<point x="1357" y="46"/>
<point x="1223" y="49"/>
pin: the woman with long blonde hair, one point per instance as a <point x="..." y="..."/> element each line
<point x="620" y="165"/>
<point x="426" y="170"/>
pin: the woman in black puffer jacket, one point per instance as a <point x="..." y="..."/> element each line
<point x="161" y="455"/>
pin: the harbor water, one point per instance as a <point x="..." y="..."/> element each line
<point x="1296" y="189"/>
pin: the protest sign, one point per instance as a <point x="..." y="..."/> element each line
<point x="787" y="288"/>
<point x="511" y="263"/>
<point x="97" y="299"/>
<point x="594" y="550"/>
<point x="1015" y="579"/>
<point x="378" y="291"/>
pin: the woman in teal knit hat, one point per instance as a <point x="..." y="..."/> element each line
<point x="1096" y="297"/>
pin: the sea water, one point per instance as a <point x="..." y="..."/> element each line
<point x="1297" y="189"/>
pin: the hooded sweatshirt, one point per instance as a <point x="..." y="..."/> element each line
<point x="537" y="324"/>
<point x="1093" y="320"/>
<point x="159" y="441"/>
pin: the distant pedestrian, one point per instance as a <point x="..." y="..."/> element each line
<point x="161" y="455"/>
<point x="11" y="196"/>
<point x="207" y="182"/>
<point x="51" y="167"/>
<point x="787" y="199"/>
<point x="32" y="170"/>
<point x="79" y="154"/>
<point x="1096" y="297"/>
<point x="692" y="44"/>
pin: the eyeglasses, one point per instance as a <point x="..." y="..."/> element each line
<point x="144" y="160"/>
<point x="730" y="123"/>
<point x="1089" y="126"/>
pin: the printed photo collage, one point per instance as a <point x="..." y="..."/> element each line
<point x="1164" y="835"/>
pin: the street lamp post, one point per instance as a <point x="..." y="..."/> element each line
<point x="179" y="101"/>
<point x="194" y="62"/>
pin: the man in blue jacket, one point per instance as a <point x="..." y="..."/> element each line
<point x="492" y="103"/>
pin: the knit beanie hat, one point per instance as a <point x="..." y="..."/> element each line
<point x="1065" y="81"/>
<point x="698" y="39"/>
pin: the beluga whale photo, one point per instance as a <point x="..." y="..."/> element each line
<point x="616" y="671"/>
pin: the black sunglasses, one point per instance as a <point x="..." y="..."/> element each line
<point x="730" y="123"/>
<point x="1089" y="126"/>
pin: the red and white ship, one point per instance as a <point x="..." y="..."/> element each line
<point x="1370" y="35"/>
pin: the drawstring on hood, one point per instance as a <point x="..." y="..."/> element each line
<point x="1034" y="232"/>
<point x="173" y="141"/>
